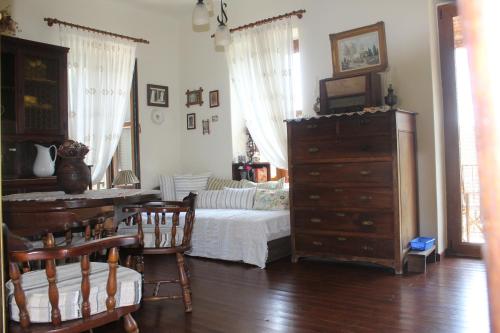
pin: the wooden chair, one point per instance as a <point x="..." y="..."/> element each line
<point x="64" y="282"/>
<point x="164" y="238"/>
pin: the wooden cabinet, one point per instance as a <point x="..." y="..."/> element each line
<point x="353" y="187"/>
<point x="34" y="108"/>
<point x="259" y="172"/>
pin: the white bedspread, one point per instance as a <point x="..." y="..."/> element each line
<point x="232" y="234"/>
<point x="239" y="235"/>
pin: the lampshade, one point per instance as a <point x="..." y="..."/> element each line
<point x="200" y="14"/>
<point x="125" y="177"/>
<point x="222" y="35"/>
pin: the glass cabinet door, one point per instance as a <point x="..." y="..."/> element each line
<point x="8" y="106"/>
<point x="41" y="99"/>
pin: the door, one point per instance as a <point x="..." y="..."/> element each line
<point x="465" y="228"/>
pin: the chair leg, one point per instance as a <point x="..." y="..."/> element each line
<point x="130" y="324"/>
<point x="186" y="288"/>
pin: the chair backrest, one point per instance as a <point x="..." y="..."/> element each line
<point x="160" y="212"/>
<point x="49" y="255"/>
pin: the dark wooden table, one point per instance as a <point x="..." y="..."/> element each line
<point x="87" y="205"/>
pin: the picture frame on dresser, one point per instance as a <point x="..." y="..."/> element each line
<point x="359" y="51"/>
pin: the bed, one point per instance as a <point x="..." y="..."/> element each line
<point x="254" y="237"/>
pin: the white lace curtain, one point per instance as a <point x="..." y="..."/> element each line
<point x="260" y="69"/>
<point x="100" y="71"/>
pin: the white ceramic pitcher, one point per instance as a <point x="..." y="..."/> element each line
<point x="44" y="163"/>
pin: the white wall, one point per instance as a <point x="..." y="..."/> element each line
<point x="408" y="44"/>
<point x="158" y="63"/>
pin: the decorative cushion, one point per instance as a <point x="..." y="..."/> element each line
<point x="236" y="198"/>
<point x="271" y="200"/>
<point x="207" y="199"/>
<point x="149" y="233"/>
<point x="219" y="183"/>
<point x="189" y="183"/>
<point x="69" y="278"/>
<point x="271" y="185"/>
<point x="167" y="188"/>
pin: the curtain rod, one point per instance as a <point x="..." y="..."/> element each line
<point x="52" y="21"/>
<point x="298" y="13"/>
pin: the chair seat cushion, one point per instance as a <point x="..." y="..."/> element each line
<point x="149" y="234"/>
<point x="69" y="278"/>
<point x="76" y="239"/>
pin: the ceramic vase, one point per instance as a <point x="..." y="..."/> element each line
<point x="73" y="175"/>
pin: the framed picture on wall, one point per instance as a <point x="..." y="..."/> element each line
<point x="191" y="121"/>
<point x="157" y="95"/>
<point x="213" y="98"/>
<point x="194" y="97"/>
<point x="359" y="51"/>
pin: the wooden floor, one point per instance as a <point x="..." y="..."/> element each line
<point x="315" y="296"/>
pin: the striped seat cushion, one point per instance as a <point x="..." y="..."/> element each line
<point x="69" y="278"/>
<point x="236" y="198"/>
<point x="149" y="233"/>
<point x="215" y="184"/>
<point x="189" y="183"/>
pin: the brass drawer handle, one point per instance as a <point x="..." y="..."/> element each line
<point x="367" y="248"/>
<point x="314" y="173"/>
<point x="316" y="243"/>
<point x="340" y="214"/>
<point x="367" y="223"/>
<point x="314" y="197"/>
<point x="365" y="173"/>
<point x="338" y="166"/>
<point x="315" y="220"/>
<point x="341" y="239"/>
<point x="339" y="190"/>
<point x="12" y="150"/>
<point x="313" y="150"/>
<point x="312" y="126"/>
<point x="365" y="198"/>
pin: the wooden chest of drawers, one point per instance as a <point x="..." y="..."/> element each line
<point x="353" y="187"/>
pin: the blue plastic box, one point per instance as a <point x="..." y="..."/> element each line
<point x="422" y="243"/>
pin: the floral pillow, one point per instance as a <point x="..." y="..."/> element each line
<point x="271" y="199"/>
<point x="271" y="185"/>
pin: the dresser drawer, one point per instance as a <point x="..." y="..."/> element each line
<point x="316" y="195"/>
<point x="329" y="220"/>
<point x="346" y="246"/>
<point x="314" y="130"/>
<point x="355" y="147"/>
<point x="379" y="173"/>
<point x="366" y="125"/>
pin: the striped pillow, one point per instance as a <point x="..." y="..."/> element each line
<point x="219" y="183"/>
<point x="167" y="188"/>
<point x="189" y="183"/>
<point x="271" y="185"/>
<point x="236" y="198"/>
<point x="207" y="199"/>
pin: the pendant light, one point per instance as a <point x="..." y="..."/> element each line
<point x="200" y="14"/>
<point x="222" y="34"/>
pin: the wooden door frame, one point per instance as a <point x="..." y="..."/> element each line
<point x="455" y="246"/>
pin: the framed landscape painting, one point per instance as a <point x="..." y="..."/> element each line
<point x="359" y="51"/>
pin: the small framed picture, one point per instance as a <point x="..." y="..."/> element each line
<point x="191" y="121"/>
<point x="215" y="118"/>
<point x="213" y="97"/>
<point x="206" y="126"/>
<point x="194" y="97"/>
<point x="157" y="95"/>
<point x="359" y="51"/>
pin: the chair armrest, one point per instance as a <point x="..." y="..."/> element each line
<point x="74" y="250"/>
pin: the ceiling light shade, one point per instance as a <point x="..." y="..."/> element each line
<point x="222" y="35"/>
<point x="200" y="14"/>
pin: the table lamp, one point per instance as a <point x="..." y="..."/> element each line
<point x="125" y="178"/>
